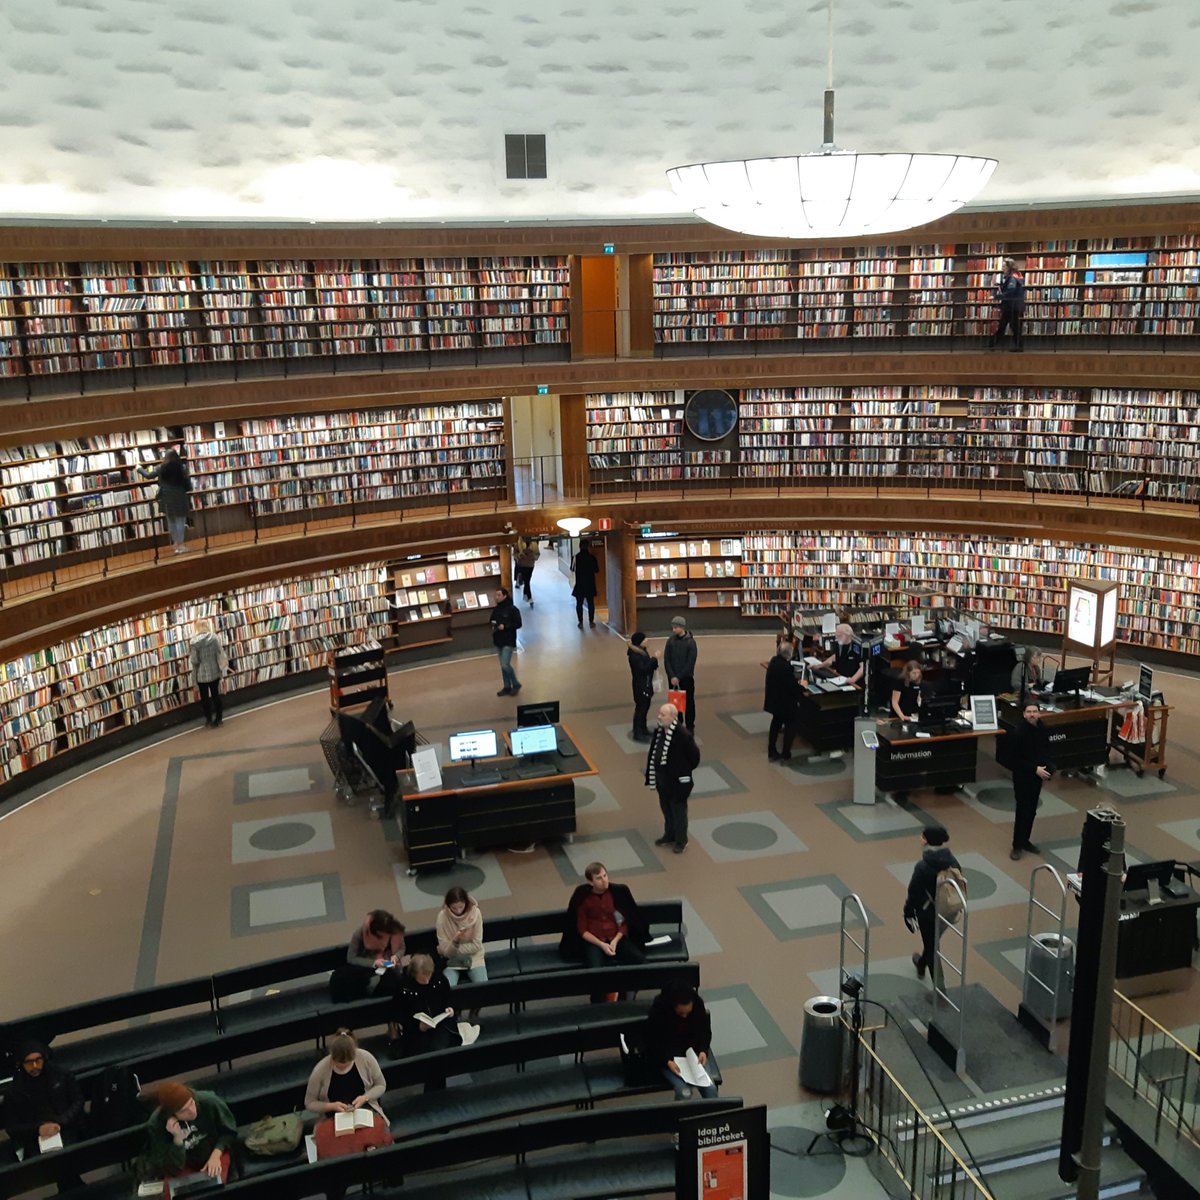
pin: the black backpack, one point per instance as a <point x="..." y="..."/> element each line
<point x="115" y="1101"/>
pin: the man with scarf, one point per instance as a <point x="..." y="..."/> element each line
<point x="672" y="758"/>
<point x="43" y="1100"/>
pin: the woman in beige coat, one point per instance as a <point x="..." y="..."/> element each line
<point x="345" y="1079"/>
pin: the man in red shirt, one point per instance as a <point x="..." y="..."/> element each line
<point x="603" y="925"/>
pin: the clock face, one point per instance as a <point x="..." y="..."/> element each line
<point x="710" y="415"/>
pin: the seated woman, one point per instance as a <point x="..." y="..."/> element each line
<point x="906" y="698"/>
<point x="679" y="1022"/>
<point x="346" y="1078"/>
<point x="459" y="927"/>
<point x="426" y="995"/>
<point x="189" y="1131"/>
<point x="374" y="959"/>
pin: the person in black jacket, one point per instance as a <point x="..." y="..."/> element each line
<point x="1010" y="294"/>
<point x="586" y="568"/>
<point x="679" y="1022"/>
<point x="679" y="663"/>
<point x="427" y="992"/>
<point x="642" y="665"/>
<point x="781" y="698"/>
<point x="506" y="620"/>
<point x="603" y="923"/>
<point x="672" y="758"/>
<point x="920" y="905"/>
<point x="174" y="501"/>
<point x="43" y="1100"/>
<point x="847" y="657"/>
<point x="1029" y="755"/>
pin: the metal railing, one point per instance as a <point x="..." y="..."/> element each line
<point x="1161" y="1072"/>
<point x="908" y="1142"/>
<point x="942" y="926"/>
<point x="1057" y="916"/>
<point x="852" y="905"/>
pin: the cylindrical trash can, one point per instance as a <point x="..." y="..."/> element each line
<point x="1049" y="954"/>
<point x="821" y="1045"/>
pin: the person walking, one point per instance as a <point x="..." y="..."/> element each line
<point x="679" y="662"/>
<point x="174" y="500"/>
<point x="1031" y="767"/>
<point x="1010" y="293"/>
<point x="781" y="698"/>
<point x="920" y="905"/>
<point x="209" y="662"/>
<point x="672" y="758"/>
<point x="585" y="568"/>
<point x="528" y="553"/>
<point x="642" y="665"/>
<point x="506" y="620"/>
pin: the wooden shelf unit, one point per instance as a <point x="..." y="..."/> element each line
<point x="635" y="437"/>
<point x="692" y="572"/>
<point x="72" y="499"/>
<point x="433" y="594"/>
<point x="1074" y="290"/>
<point x="61" y="318"/>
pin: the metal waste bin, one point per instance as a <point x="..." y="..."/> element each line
<point x="821" y="1045"/>
<point x="1050" y="953"/>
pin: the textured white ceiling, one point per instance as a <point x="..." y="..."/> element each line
<point x="396" y="109"/>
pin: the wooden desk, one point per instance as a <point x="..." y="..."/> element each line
<point x="438" y="826"/>
<point x="826" y="719"/>
<point x="1076" y="737"/>
<point x="905" y="762"/>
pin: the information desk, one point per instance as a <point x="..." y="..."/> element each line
<point x="438" y="826"/>
<point x="905" y="762"/>
<point x="825" y="719"/>
<point x="1076" y="736"/>
<point x="1156" y="936"/>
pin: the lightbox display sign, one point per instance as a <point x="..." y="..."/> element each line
<point x="1091" y="616"/>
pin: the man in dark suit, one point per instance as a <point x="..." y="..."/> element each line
<point x="586" y="568"/>
<point x="1031" y="767"/>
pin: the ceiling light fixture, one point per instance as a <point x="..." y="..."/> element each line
<point x="573" y="525"/>
<point x="830" y="192"/>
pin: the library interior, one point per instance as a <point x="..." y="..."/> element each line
<point x="384" y="450"/>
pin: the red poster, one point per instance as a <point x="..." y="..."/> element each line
<point x="723" y="1172"/>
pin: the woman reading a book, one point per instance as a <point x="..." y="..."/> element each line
<point x="426" y="1014"/>
<point x="346" y="1079"/>
<point x="678" y="1040"/>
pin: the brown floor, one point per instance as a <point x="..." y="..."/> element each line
<point x="101" y="893"/>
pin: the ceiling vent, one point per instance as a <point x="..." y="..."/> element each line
<point x="525" y="155"/>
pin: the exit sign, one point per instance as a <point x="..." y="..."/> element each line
<point x="645" y="531"/>
<point x="604" y="523"/>
<point x="543" y="389"/>
<point x="610" y="247"/>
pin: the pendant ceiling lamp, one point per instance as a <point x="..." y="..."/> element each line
<point x="830" y="192"/>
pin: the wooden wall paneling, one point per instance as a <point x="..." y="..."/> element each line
<point x="598" y="297"/>
<point x="573" y="446"/>
<point x="637" y="296"/>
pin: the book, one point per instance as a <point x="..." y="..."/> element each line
<point x="691" y="1071"/>
<point x="663" y="939"/>
<point x="53" y="1142"/>
<point x="426" y="1019"/>
<point x="348" y="1122"/>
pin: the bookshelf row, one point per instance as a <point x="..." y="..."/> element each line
<point x="110" y="678"/>
<point x="703" y="572"/>
<point x="79" y="496"/>
<point x="1074" y="288"/>
<point x="60" y="317"/>
<point x="1095" y="441"/>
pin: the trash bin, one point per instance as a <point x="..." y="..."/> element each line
<point x="821" y="1045"/>
<point x="1045" y="955"/>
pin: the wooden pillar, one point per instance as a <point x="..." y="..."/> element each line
<point x="572" y="421"/>
<point x="636" y="292"/>
<point x="621" y="582"/>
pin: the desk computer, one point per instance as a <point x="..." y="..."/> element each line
<point x="470" y="746"/>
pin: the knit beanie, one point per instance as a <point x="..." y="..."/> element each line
<point x="680" y="622"/>
<point x="173" y="1095"/>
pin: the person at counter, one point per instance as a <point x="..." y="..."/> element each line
<point x="1031" y="767"/>
<point x="906" y="696"/>
<point x="847" y="657"/>
<point x="781" y="695"/>
<point x="1027" y="674"/>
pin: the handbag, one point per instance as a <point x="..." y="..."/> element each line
<point x="677" y="698"/>
<point x="274" y="1135"/>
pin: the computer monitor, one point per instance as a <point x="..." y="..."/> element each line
<point x="940" y="708"/>
<point x="1139" y="875"/>
<point x="1074" y="679"/>
<point x="534" y="739"/>
<point x="544" y="712"/>
<point x="479" y="743"/>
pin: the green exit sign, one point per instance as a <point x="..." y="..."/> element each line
<point x="543" y="389"/>
<point x="610" y="247"/>
<point x="645" y="531"/>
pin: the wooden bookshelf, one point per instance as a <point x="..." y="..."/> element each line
<point x="635" y="437"/>
<point x="692" y="572"/>
<point x="72" y="499"/>
<point x="787" y="432"/>
<point x="431" y="595"/>
<point x="60" y="318"/>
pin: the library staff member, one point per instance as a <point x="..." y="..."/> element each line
<point x="1031" y="767"/>
<point x="1027" y="674"/>
<point x="847" y="657"/>
<point x="906" y="698"/>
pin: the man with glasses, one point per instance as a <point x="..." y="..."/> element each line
<point x="43" y="1110"/>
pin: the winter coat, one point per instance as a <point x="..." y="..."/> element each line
<point x="206" y="654"/>
<point x="781" y="693"/>
<point x="923" y="884"/>
<point x="679" y="657"/>
<point x="586" y="568"/>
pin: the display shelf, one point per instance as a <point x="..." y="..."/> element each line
<point x="76" y="497"/>
<point x="358" y="674"/>
<point x="454" y="588"/>
<point x="697" y="572"/>
<point x="1013" y="584"/>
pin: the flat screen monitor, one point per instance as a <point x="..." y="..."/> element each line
<point x="479" y="743"/>
<point x="1138" y="876"/>
<point x="534" y="739"/>
<point x="544" y="712"/>
<point x="937" y="709"/>
<point x="1074" y="679"/>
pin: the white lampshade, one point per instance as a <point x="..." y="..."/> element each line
<point x="830" y="193"/>
<point x="573" y="525"/>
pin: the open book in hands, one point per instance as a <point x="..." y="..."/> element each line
<point x="426" y="1019"/>
<point x="348" y="1122"/>
<point x="690" y="1070"/>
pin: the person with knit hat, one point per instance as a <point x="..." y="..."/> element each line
<point x="679" y="663"/>
<point x="189" y="1131"/>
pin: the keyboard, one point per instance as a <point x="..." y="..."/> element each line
<point x="567" y="751"/>
<point x="479" y="778"/>
<point x="534" y="770"/>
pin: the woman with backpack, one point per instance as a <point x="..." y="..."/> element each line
<point x="921" y="904"/>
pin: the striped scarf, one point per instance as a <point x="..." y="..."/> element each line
<point x="659" y="749"/>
